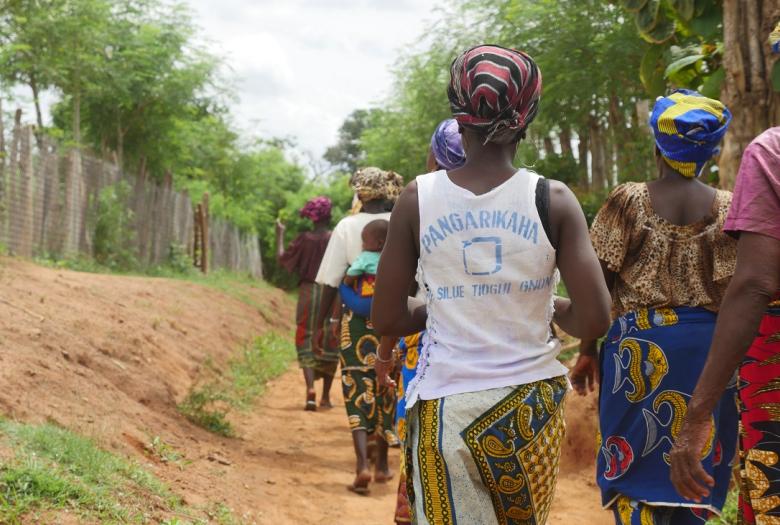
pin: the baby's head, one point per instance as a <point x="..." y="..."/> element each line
<point x="374" y="235"/>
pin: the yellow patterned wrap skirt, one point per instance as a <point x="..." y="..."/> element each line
<point x="488" y="457"/>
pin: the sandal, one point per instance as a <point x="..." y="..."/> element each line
<point x="311" y="402"/>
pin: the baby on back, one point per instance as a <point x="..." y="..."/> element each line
<point x="362" y="272"/>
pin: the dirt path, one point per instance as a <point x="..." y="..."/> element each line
<point x="299" y="464"/>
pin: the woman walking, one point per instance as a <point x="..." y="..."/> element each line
<point x="667" y="264"/>
<point x="485" y="414"/>
<point x="302" y="257"/>
<point x="369" y="409"/>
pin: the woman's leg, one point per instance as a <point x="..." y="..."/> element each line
<point x="327" y="382"/>
<point x="362" y="471"/>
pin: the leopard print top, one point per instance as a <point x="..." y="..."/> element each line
<point x="659" y="263"/>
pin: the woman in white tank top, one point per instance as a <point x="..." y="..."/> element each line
<point x="485" y="413"/>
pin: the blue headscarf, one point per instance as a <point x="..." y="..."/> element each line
<point x="446" y="145"/>
<point x="688" y="128"/>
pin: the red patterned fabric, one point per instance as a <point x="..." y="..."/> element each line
<point x="496" y="91"/>
<point x="759" y="395"/>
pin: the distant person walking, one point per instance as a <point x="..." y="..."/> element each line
<point x="747" y="340"/>
<point x="302" y="257"/>
<point x="667" y="264"/>
<point x="369" y="408"/>
<point x="485" y="410"/>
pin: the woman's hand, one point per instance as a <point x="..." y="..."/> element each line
<point x="688" y="476"/>
<point x="280" y="227"/>
<point x="384" y="371"/>
<point x="585" y="374"/>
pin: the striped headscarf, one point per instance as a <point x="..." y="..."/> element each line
<point x="373" y="183"/>
<point x="446" y="145"/>
<point x="495" y="91"/>
<point x="317" y="209"/>
<point x="688" y="128"/>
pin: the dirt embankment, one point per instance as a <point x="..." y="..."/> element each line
<point x="110" y="357"/>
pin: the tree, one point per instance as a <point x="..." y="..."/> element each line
<point x="347" y="154"/>
<point x="752" y="78"/>
<point x="721" y="49"/>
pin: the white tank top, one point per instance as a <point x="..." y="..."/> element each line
<point x="489" y="273"/>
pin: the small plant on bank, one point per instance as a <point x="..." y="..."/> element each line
<point x="114" y="233"/>
<point x="208" y="405"/>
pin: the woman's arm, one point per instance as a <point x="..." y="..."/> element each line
<point x="755" y="281"/>
<point x="585" y="373"/>
<point x="586" y="313"/>
<point x="393" y="312"/>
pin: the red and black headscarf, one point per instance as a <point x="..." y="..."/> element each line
<point x="495" y="91"/>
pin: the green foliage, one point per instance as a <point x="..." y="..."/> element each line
<point x="347" y="153"/>
<point x="114" y="234"/>
<point x="55" y="468"/>
<point x="204" y="407"/>
<point x="687" y="44"/>
<point x="209" y="404"/>
<point x="179" y="261"/>
<point x="559" y="167"/>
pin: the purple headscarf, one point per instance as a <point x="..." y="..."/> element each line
<point x="446" y="145"/>
<point x="317" y="209"/>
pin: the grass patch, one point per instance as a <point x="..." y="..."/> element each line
<point x="54" y="468"/>
<point x="209" y="404"/>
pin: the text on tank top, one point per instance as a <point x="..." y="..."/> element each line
<point x="489" y="273"/>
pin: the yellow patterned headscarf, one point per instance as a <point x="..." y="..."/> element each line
<point x="688" y="128"/>
<point x="373" y="184"/>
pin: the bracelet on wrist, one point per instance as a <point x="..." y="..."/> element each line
<point x="388" y="360"/>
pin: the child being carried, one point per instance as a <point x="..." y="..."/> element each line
<point x="362" y="272"/>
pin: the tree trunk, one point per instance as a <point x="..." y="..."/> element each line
<point x="77" y="118"/>
<point x="582" y="156"/>
<point x="549" y="148"/>
<point x="120" y="142"/>
<point x="38" y="116"/>
<point x="597" y="152"/>
<point x="617" y="125"/>
<point x="565" y="139"/>
<point x="2" y="151"/>
<point x="747" y="90"/>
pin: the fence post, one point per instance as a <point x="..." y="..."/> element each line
<point x="196" y="238"/>
<point x="204" y="230"/>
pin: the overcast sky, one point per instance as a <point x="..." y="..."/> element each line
<point x="303" y="65"/>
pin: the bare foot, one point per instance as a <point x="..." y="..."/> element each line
<point x="383" y="476"/>
<point x="360" y="485"/>
<point x="326" y="404"/>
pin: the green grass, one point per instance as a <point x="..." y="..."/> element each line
<point x="209" y="404"/>
<point x="729" y="515"/>
<point x="54" y="468"/>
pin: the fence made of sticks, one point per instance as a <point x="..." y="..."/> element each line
<point x="49" y="206"/>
